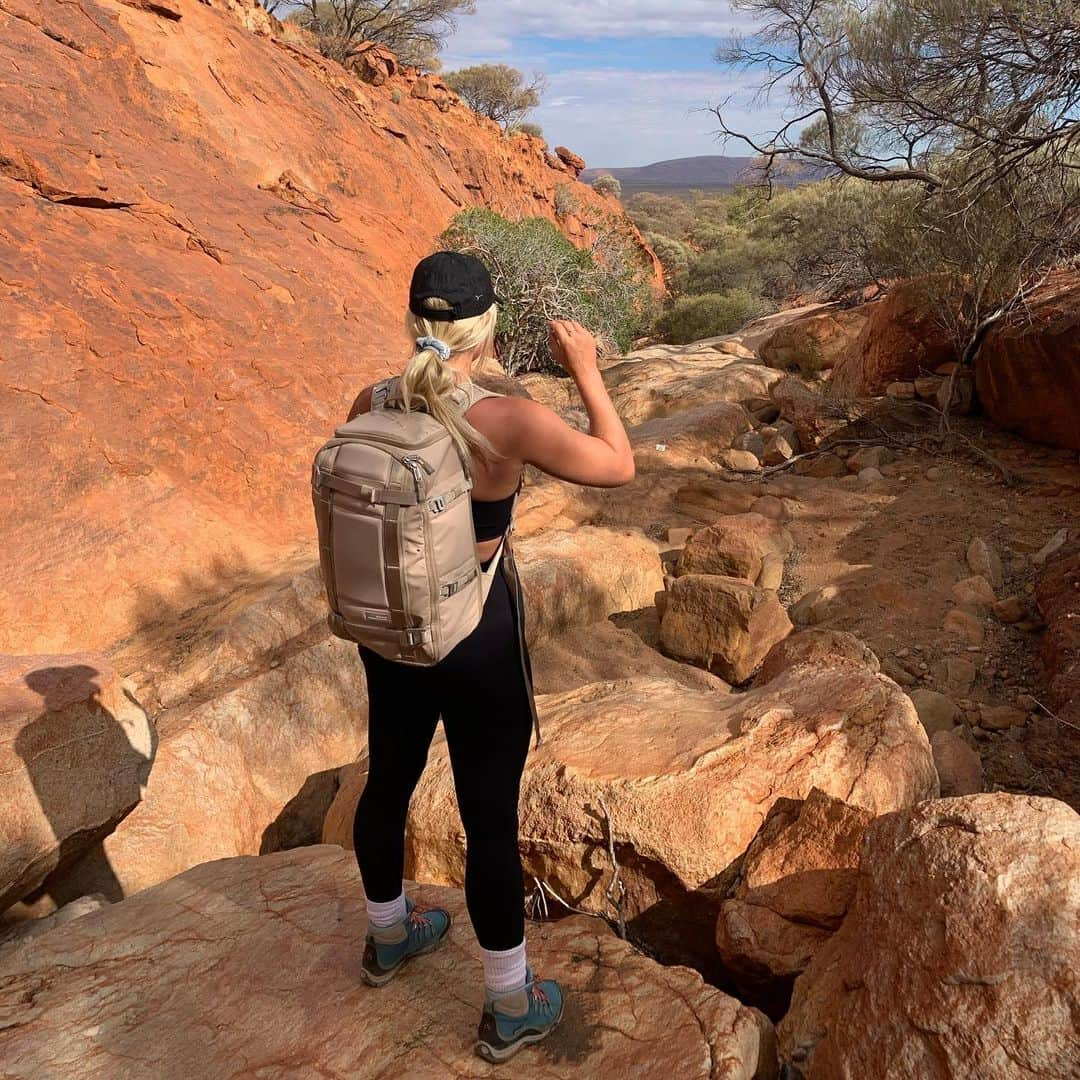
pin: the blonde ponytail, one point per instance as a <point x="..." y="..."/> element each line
<point x="429" y="383"/>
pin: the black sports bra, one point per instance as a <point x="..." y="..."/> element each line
<point x="491" y="517"/>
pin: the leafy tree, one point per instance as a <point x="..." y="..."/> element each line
<point x="497" y="91"/>
<point x="540" y="275"/>
<point x="414" y="29"/>
<point x="608" y="186"/>
<point x="968" y="110"/>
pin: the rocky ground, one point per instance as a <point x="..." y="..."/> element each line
<point x="758" y="667"/>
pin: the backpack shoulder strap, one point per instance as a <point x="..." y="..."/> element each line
<point x="382" y="392"/>
<point x="470" y="393"/>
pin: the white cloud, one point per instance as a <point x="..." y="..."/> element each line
<point x="503" y="19"/>
<point x="617" y="115"/>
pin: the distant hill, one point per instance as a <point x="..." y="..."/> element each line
<point x="682" y="174"/>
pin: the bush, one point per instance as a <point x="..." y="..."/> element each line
<point x="527" y="128"/>
<point x="607" y="186"/>
<point x="540" y="275"/>
<point x="692" y="318"/>
<point x="674" y="257"/>
<point x="566" y="201"/>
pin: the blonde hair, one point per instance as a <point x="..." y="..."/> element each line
<point x="429" y="381"/>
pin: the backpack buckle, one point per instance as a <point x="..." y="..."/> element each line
<point x="413" y="636"/>
<point x="438" y="504"/>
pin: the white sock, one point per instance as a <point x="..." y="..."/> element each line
<point x="381" y="915"/>
<point x="504" y="970"/>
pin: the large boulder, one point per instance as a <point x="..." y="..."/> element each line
<point x="790" y="892"/>
<point x="737" y="545"/>
<point x="582" y="576"/>
<point x="691" y="439"/>
<point x="258" y="699"/>
<point x="960" y="954"/>
<point x="642" y="390"/>
<point x="1058" y="597"/>
<point x="816" y="646"/>
<point x="1027" y="372"/>
<point x="724" y="624"/>
<point x="603" y="652"/>
<point x="707" y="500"/>
<point x="901" y="339"/>
<point x="75" y="753"/>
<point x="683" y="778"/>
<point x="250" y="967"/>
<point x="548" y="503"/>
<point x="813" y="342"/>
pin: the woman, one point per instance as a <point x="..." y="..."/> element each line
<point x="482" y="689"/>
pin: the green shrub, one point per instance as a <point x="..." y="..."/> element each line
<point x="608" y="186"/>
<point x="526" y="127"/>
<point x="674" y="257"/>
<point x="566" y="201"/>
<point x="692" y="318"/>
<point x="540" y="275"/>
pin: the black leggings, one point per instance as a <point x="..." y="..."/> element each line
<point x="483" y="693"/>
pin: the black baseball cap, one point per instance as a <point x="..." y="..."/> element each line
<point x="461" y="280"/>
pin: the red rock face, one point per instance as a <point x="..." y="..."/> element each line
<point x="206" y="235"/>
<point x="1027" y="373"/>
<point x="900" y="340"/>
<point x="1059" y="603"/>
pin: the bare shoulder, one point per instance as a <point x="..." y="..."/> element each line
<point x="503" y="418"/>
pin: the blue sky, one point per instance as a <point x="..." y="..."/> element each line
<point x="629" y="82"/>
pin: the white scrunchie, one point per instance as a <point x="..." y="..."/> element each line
<point x="435" y="345"/>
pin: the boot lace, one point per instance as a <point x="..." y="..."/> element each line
<point x="420" y="923"/>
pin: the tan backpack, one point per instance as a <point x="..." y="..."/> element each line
<point x="396" y="537"/>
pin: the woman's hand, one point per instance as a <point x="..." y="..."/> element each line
<point x="573" y="347"/>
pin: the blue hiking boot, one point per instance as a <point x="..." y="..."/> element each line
<point x="518" y="1018"/>
<point x="387" y="948"/>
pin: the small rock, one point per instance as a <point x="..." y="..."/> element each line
<point x="1052" y="547"/>
<point x="926" y="387"/>
<point x="935" y="473"/>
<point x="1026" y="702"/>
<point x="779" y="449"/>
<point x="870" y="474"/>
<point x="897" y="673"/>
<point x="901" y="391"/>
<point x="974" y="594"/>
<point x="936" y="711"/>
<point x="959" y="767"/>
<point x="769" y="506"/>
<point x="821" y="467"/>
<point x="772" y="572"/>
<point x="983" y="559"/>
<point x="965" y="625"/>
<point x="739" y="460"/>
<point x="870" y="457"/>
<point x="815" y="606"/>
<point x="1009" y="610"/>
<point x="751" y="441"/>
<point x="677" y="536"/>
<point x="1001" y="717"/>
